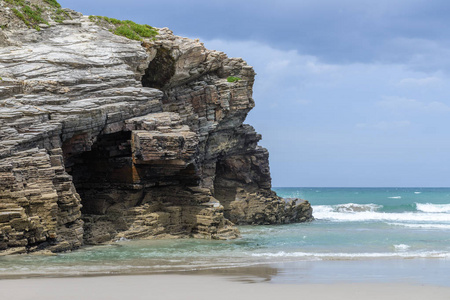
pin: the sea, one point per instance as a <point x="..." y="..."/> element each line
<point x="359" y="234"/>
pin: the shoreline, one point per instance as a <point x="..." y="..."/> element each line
<point x="432" y="272"/>
<point x="200" y="287"/>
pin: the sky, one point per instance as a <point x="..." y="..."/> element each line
<point x="349" y="93"/>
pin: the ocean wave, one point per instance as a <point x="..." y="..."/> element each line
<point x="350" y="256"/>
<point x="395" y="197"/>
<point x="353" y="207"/>
<point x="433" y="208"/>
<point x="325" y="212"/>
<point x="347" y="208"/>
<point x="422" y="226"/>
<point x="401" y="247"/>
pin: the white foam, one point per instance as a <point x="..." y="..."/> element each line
<point x="326" y="212"/>
<point x="422" y="226"/>
<point x="321" y="209"/>
<point x="346" y="208"/>
<point x="417" y="193"/>
<point x="433" y="208"/>
<point x="395" y="197"/>
<point x="422" y="254"/>
<point x="122" y="239"/>
<point x="353" y="207"/>
<point x="401" y="247"/>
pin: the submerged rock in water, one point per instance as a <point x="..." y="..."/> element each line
<point x="103" y="138"/>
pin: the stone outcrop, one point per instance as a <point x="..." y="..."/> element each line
<point x="102" y="138"/>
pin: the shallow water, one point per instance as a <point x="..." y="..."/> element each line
<point x="410" y="226"/>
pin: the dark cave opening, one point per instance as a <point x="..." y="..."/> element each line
<point x="120" y="193"/>
<point x="101" y="172"/>
<point x="108" y="180"/>
<point x="160" y="70"/>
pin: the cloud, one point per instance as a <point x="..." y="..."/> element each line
<point x="277" y="69"/>
<point x="420" y="81"/>
<point x="337" y="32"/>
<point x="425" y="54"/>
<point x="385" y="125"/>
<point x="401" y="104"/>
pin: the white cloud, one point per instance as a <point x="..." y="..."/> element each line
<point x="385" y="125"/>
<point x="419" y="54"/>
<point x="399" y="103"/>
<point x="402" y="104"/>
<point x="420" y="81"/>
<point x="276" y="63"/>
<point x="314" y="66"/>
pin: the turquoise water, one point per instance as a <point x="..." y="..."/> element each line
<point x="376" y="222"/>
<point x="352" y="224"/>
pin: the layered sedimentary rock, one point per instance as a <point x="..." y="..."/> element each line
<point x="102" y="138"/>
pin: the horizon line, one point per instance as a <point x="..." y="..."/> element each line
<point x="362" y="187"/>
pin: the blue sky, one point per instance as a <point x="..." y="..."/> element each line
<point x="348" y="93"/>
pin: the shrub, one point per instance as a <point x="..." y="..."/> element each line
<point x="233" y="79"/>
<point x="142" y="30"/>
<point x="31" y="14"/>
<point x="53" y="3"/>
<point x="21" y="16"/>
<point x="127" y="32"/>
<point x="35" y="15"/>
<point x="127" y="28"/>
<point x="113" y="21"/>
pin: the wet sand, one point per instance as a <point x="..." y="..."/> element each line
<point x="321" y="280"/>
<point x="199" y="287"/>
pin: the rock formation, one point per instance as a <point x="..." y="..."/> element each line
<point x="103" y="137"/>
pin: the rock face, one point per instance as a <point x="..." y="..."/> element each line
<point x="102" y="137"/>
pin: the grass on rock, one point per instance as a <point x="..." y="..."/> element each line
<point x="127" y="28"/>
<point x="233" y="79"/>
<point x="31" y="14"/>
<point x="53" y="3"/>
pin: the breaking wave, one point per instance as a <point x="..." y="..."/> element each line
<point x="401" y="247"/>
<point x="372" y="212"/>
<point x="353" y="207"/>
<point x="347" y="208"/>
<point x="433" y="208"/>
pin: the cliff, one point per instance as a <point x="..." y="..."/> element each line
<point x="105" y="137"/>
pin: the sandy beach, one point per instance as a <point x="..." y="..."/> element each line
<point x="200" y="287"/>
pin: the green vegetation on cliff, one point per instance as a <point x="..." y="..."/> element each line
<point x="32" y="14"/>
<point x="53" y="3"/>
<point x="126" y="28"/>
<point x="35" y="12"/>
<point x="233" y="79"/>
